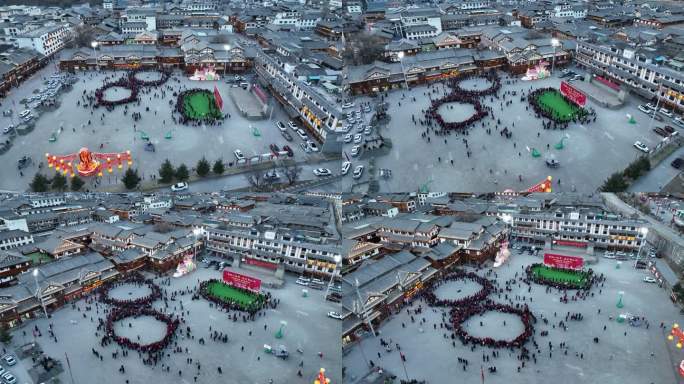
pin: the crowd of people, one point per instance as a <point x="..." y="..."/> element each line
<point x="121" y="313"/>
<point x="433" y="114"/>
<point x="491" y="76"/>
<point x="461" y="315"/>
<point x="187" y="116"/>
<point x="580" y="115"/>
<point x="260" y="302"/>
<point x="434" y="301"/>
<point x="124" y="82"/>
<point x="585" y="279"/>
<point x="134" y="279"/>
<point x="165" y="74"/>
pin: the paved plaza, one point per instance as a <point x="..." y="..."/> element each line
<point x="592" y="152"/>
<point x="622" y="355"/>
<point x="307" y="327"/>
<point x="116" y="132"/>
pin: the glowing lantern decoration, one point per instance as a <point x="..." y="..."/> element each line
<point x="544" y="186"/>
<point x="676" y="333"/>
<point x="320" y="378"/>
<point x="87" y="163"/>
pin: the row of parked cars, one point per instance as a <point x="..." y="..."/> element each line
<point x="7" y="376"/>
<point x="358" y="170"/>
<point x="307" y="145"/>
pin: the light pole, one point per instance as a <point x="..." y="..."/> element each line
<point x="226" y="47"/>
<point x="554" y="43"/>
<point x="94" y="45"/>
<point x="38" y="291"/>
<point x="337" y="259"/>
<point x="400" y="55"/>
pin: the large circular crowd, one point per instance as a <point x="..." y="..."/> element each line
<point x="433" y="300"/>
<point x="459" y="316"/>
<point x="164" y="76"/>
<point x="118" y="314"/>
<point x="491" y="76"/>
<point x="124" y="82"/>
<point x="134" y="279"/>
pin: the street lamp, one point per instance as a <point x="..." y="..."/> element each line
<point x="94" y="45"/>
<point x="338" y="260"/>
<point x="554" y="43"/>
<point x="225" y="64"/>
<point x="400" y="55"/>
<point x="38" y="291"/>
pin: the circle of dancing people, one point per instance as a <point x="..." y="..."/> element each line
<point x="460" y="315"/>
<point x="434" y="301"/>
<point x="433" y="115"/>
<point x="135" y="279"/>
<point x="262" y="301"/>
<point x="214" y="117"/>
<point x="491" y="76"/>
<point x="164" y="76"/>
<point x="124" y="82"/>
<point x="582" y="115"/>
<point x="118" y="314"/>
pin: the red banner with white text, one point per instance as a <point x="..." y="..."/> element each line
<point x="562" y="261"/>
<point x="241" y="281"/>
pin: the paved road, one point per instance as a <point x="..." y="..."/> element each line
<point x="659" y="176"/>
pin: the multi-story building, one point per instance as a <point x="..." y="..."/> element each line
<point x="14" y="238"/>
<point x="625" y="67"/>
<point x="320" y="116"/>
<point x="45" y="40"/>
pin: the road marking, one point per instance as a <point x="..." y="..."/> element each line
<point x="608" y="135"/>
<point x="302" y="313"/>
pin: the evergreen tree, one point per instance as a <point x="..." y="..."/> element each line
<point x="614" y="183"/>
<point x="182" y="172"/>
<point x="40" y="183"/>
<point x="76" y="183"/>
<point x="166" y="172"/>
<point x="131" y="178"/>
<point x="59" y="182"/>
<point x="203" y="167"/>
<point x="219" y="168"/>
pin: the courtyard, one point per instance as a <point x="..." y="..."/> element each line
<point x="590" y="153"/>
<point x="242" y="357"/>
<point x="623" y="354"/>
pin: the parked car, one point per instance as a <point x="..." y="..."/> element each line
<point x="8" y="129"/>
<point x="281" y="126"/>
<point x="367" y="131"/>
<point x="334" y="297"/>
<point x="345" y="167"/>
<point x="661" y="132"/>
<point x="348" y="138"/>
<point x="179" y="186"/>
<point x="677" y="163"/>
<point x="670" y="130"/>
<point x="272" y="175"/>
<point x="274" y="148"/>
<point x="9" y="360"/>
<point x="650" y="106"/>
<point x="335" y="315"/>
<point x="312" y="146"/>
<point x="347" y="105"/>
<point x="322" y="172"/>
<point x="665" y="112"/>
<point x="356" y="150"/>
<point x="678" y="121"/>
<point x="649" y="279"/>
<point x="25" y="112"/>
<point x="641" y="146"/>
<point x="239" y="155"/>
<point x="302" y="134"/>
<point x="358" y="139"/>
<point x="301" y="280"/>
<point x="358" y="172"/>
<point x="304" y="147"/>
<point x="292" y="125"/>
<point x="645" y="109"/>
<point x="289" y="150"/>
<point x="9" y="378"/>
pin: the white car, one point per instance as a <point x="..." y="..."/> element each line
<point x="312" y="146"/>
<point x="302" y="134"/>
<point x="281" y="126"/>
<point x="641" y="146"/>
<point x="239" y="155"/>
<point x="347" y="105"/>
<point x="335" y="315"/>
<point x="322" y="172"/>
<point x="25" y="112"/>
<point x="358" y="172"/>
<point x="678" y="121"/>
<point x="348" y="138"/>
<point x="356" y="150"/>
<point x="367" y="131"/>
<point x="10" y="360"/>
<point x="303" y="281"/>
<point x="292" y="125"/>
<point x="649" y="279"/>
<point x="644" y="109"/>
<point x="9" y="378"/>
<point x="345" y="167"/>
<point x="666" y="112"/>
<point x="358" y="139"/>
<point x="182" y="186"/>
